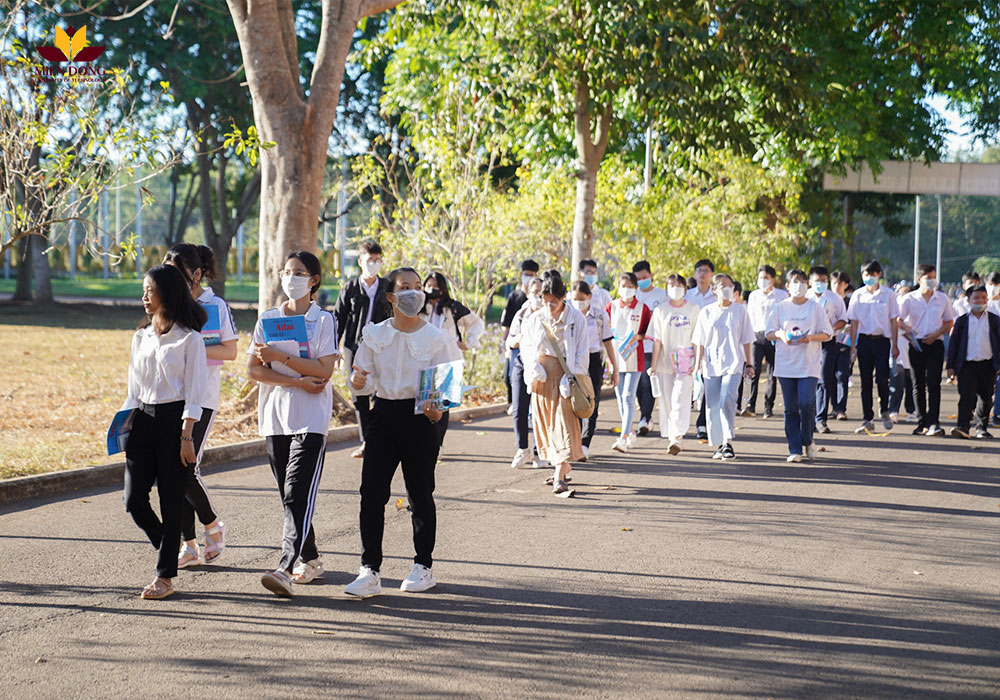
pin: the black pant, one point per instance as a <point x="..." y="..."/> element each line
<point x="153" y="454"/>
<point x="826" y="387"/>
<point x="925" y="369"/>
<point x="843" y="377"/>
<point x="297" y="466"/>
<point x="702" y="423"/>
<point x="873" y="356"/>
<point x="644" y="392"/>
<point x="196" y="498"/>
<point x="763" y="349"/>
<point x="442" y="427"/>
<point x="507" y="380"/>
<point x="521" y="402"/>
<point x="398" y="436"/>
<point x="901" y="390"/>
<point x="975" y="388"/>
<point x="596" y="372"/>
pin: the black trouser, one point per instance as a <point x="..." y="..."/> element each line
<point x="763" y="349"/>
<point x="521" y="402"/>
<point x="362" y="404"/>
<point x="596" y="372"/>
<point x="843" y="378"/>
<point x="196" y="498"/>
<point x="644" y="392"/>
<point x="975" y="388"/>
<point x="826" y="387"/>
<point x="153" y="455"/>
<point x="507" y="381"/>
<point x="297" y="466"/>
<point x="873" y="356"/>
<point x="925" y="368"/>
<point x="702" y="423"/>
<point x="442" y="427"/>
<point x="398" y="436"/>
<point x="900" y="390"/>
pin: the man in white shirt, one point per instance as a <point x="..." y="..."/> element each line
<point x="974" y="357"/>
<point x="702" y="295"/>
<point x="993" y="306"/>
<point x="836" y="314"/>
<point x="961" y="305"/>
<point x="925" y="316"/>
<point x="872" y="314"/>
<point x="652" y="297"/>
<point x="759" y="306"/>
<point x="600" y="297"/>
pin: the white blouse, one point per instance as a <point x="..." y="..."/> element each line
<point x="289" y="410"/>
<point x="575" y="345"/>
<point x="393" y="359"/>
<point x="167" y="368"/>
<point x="227" y="332"/>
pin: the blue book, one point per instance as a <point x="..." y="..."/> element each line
<point x="121" y="425"/>
<point x="625" y="345"/>
<point x="211" y="332"/>
<point x="287" y="328"/>
<point x="441" y="384"/>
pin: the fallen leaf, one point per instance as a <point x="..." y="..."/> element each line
<point x="466" y="420"/>
<point x="480" y="432"/>
<point x="626" y="529"/>
<point x="822" y="449"/>
<point x="976" y="447"/>
<point x="917" y="573"/>
<point x="608" y="488"/>
<point x="84" y="500"/>
<point x="324" y="632"/>
<point x="40" y="659"/>
<point x="399" y="504"/>
<point x="953" y="416"/>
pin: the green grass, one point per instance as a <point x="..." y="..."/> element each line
<point x="126" y="288"/>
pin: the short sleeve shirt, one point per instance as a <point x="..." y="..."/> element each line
<point x="873" y="311"/>
<point x="802" y="359"/>
<point x="723" y="331"/>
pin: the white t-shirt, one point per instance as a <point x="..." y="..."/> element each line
<point x="722" y="332"/>
<point x="978" y="344"/>
<point x="600" y="297"/>
<point x="598" y="327"/>
<point x="227" y="331"/>
<point x="652" y="298"/>
<point x="673" y="326"/>
<point x="288" y="410"/>
<point x="393" y="359"/>
<point x="760" y="304"/>
<point x="802" y="359"/>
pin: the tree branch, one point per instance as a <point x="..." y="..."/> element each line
<point x="374" y="7"/>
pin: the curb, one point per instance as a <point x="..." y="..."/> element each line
<point x="56" y="483"/>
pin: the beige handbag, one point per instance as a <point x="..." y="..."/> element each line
<point x="581" y="389"/>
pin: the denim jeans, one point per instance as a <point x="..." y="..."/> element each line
<point x="799" y="395"/>
<point x="720" y="405"/>
<point x="625" y="394"/>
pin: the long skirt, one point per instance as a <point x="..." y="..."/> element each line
<point x="557" y="429"/>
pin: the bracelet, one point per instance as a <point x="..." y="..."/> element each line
<point x="187" y="439"/>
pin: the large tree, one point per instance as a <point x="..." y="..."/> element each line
<point x="295" y="114"/>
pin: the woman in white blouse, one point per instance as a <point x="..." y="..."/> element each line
<point x="722" y="338"/>
<point x="800" y="326"/>
<point x="293" y="415"/>
<point x="462" y="326"/>
<point x="167" y="379"/>
<point x="389" y="361"/>
<point x="557" y="428"/>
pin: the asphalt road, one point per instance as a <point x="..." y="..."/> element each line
<point x="872" y="573"/>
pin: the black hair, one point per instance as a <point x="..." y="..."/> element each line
<point x="312" y="265"/>
<point x="871" y="267"/>
<point x="692" y="283"/>
<point x="370" y="246"/>
<point x="677" y="279"/>
<point x="840" y="276"/>
<point x="529" y="266"/>
<point x="924" y="269"/>
<point x="977" y="288"/>
<point x="630" y="276"/>
<point x="581" y="286"/>
<point x="796" y="273"/>
<point x="746" y="295"/>
<point x="768" y="269"/>
<point x="705" y="261"/>
<point x="969" y="276"/>
<point x="552" y="283"/>
<point x="718" y="278"/>
<point x="993" y="278"/>
<point x="188" y="257"/>
<point x="586" y="262"/>
<point x="176" y="303"/>
<point x="641" y="266"/>
<point x="819" y="270"/>
<point x="391" y="279"/>
<point x="443" y="301"/>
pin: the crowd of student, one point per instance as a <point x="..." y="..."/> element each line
<point x="696" y="345"/>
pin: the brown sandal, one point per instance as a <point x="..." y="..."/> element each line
<point x="157" y="590"/>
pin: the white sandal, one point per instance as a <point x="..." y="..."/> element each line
<point x="189" y="556"/>
<point x="213" y="546"/>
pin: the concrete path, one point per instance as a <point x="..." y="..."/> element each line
<point x="871" y="573"/>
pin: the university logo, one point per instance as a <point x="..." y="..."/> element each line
<point x="71" y="47"/>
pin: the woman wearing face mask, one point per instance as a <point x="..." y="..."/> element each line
<point x="197" y="264"/>
<point x="799" y="326"/>
<point x="629" y="320"/>
<point x="673" y="361"/>
<point x="599" y="337"/>
<point x="293" y="415"/>
<point x="722" y="338"/>
<point x="521" y="398"/>
<point x="389" y="362"/>
<point x="457" y="322"/>
<point x="557" y="429"/>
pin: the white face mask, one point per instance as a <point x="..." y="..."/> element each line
<point x="410" y="301"/>
<point x="295" y="287"/>
<point x="763" y="283"/>
<point x="526" y="280"/>
<point x="626" y="293"/>
<point x="726" y="293"/>
<point x="992" y="290"/>
<point x="369" y="267"/>
<point x="676" y="293"/>
<point x="535" y="301"/>
<point x="929" y="283"/>
<point x="581" y="305"/>
<point x="798" y="289"/>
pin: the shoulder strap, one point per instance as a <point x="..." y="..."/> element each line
<point x="555" y="348"/>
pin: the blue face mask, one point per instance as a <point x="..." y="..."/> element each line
<point x="591" y="280"/>
<point x="645" y="284"/>
<point x="819" y="287"/>
<point x="870" y="281"/>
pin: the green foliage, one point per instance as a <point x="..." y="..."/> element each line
<point x="986" y="264"/>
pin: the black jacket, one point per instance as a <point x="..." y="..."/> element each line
<point x="958" y="347"/>
<point x="351" y="310"/>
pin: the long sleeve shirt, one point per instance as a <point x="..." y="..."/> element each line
<point x="167" y="368"/>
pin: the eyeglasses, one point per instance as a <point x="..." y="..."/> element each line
<point x="289" y="273"/>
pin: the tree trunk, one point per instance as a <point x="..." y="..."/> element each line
<point x="590" y="148"/>
<point x="850" y="232"/>
<point x="300" y="126"/>
<point x="40" y="262"/>
<point x="22" y="287"/>
<point x="583" y="219"/>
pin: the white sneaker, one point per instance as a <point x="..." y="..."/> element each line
<point x="586" y="453"/>
<point x="510" y="410"/>
<point x="540" y="463"/>
<point x="630" y="440"/>
<point x="306" y="571"/>
<point x="811" y="451"/>
<point x="643" y="426"/>
<point x="620" y="445"/>
<point x="520" y="459"/>
<point x="793" y="458"/>
<point x="367" y="584"/>
<point x="278" y="582"/>
<point x="420" y="579"/>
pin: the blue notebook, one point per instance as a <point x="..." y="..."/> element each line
<point x="121" y="425"/>
<point x="441" y="384"/>
<point x="287" y="328"/>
